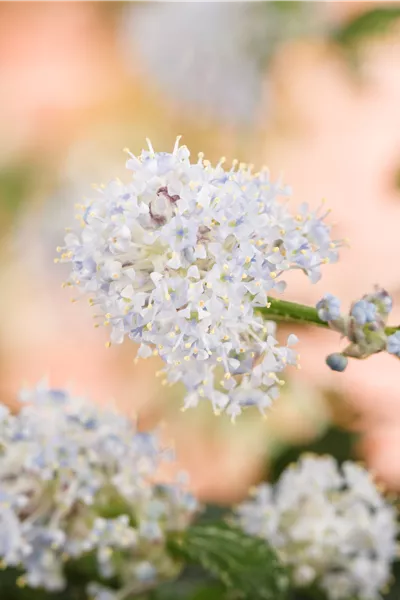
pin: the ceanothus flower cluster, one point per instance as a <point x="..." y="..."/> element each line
<point x="76" y="479"/>
<point x="364" y="326"/>
<point x="330" y="525"/>
<point x="179" y="260"/>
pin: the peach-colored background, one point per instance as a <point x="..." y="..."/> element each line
<point x="70" y="102"/>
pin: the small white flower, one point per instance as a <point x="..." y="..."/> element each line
<point x="63" y="464"/>
<point x="329" y="525"/>
<point x="179" y="260"/>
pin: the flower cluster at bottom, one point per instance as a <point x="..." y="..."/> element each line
<point x="329" y="525"/>
<point x="77" y="481"/>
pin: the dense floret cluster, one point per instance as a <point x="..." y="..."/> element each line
<point x="179" y="260"/>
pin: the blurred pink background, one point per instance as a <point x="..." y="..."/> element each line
<point x="74" y="93"/>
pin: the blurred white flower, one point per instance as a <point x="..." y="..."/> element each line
<point x="179" y="260"/>
<point x="78" y="479"/>
<point x="329" y="524"/>
<point x="210" y="56"/>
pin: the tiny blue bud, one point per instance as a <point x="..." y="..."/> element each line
<point x="393" y="344"/>
<point x="328" y="308"/>
<point x="336" y="362"/>
<point x="363" y="312"/>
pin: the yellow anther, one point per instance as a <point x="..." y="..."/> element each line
<point x="187" y="358"/>
<point x="219" y="359"/>
<point x="272" y="275"/>
<point x="227" y="376"/>
<point x="108" y="344"/>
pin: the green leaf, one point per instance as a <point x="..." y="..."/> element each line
<point x="374" y="22"/>
<point x="336" y="441"/>
<point x="246" y="566"/>
<point x="184" y="590"/>
<point x="15" y="184"/>
<point x="9" y="590"/>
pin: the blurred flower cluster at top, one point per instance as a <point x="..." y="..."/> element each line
<point x="212" y="57"/>
<point x="311" y="89"/>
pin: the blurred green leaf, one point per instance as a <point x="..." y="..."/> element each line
<point x="15" y="183"/>
<point x="372" y="23"/>
<point x="336" y="441"/>
<point x="9" y="590"/>
<point x="394" y="592"/>
<point x="246" y="566"/>
<point x="189" y="589"/>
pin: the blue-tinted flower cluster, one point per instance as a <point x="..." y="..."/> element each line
<point x="179" y="260"/>
<point x="64" y="466"/>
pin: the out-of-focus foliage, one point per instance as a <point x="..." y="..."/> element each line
<point x="366" y="26"/>
<point x="15" y="182"/>
<point x="244" y="565"/>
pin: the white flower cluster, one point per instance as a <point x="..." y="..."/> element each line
<point x="180" y="258"/>
<point x="76" y="479"/>
<point x="330" y="525"/>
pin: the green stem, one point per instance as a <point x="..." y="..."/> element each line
<point x="292" y="312"/>
<point x="282" y="310"/>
